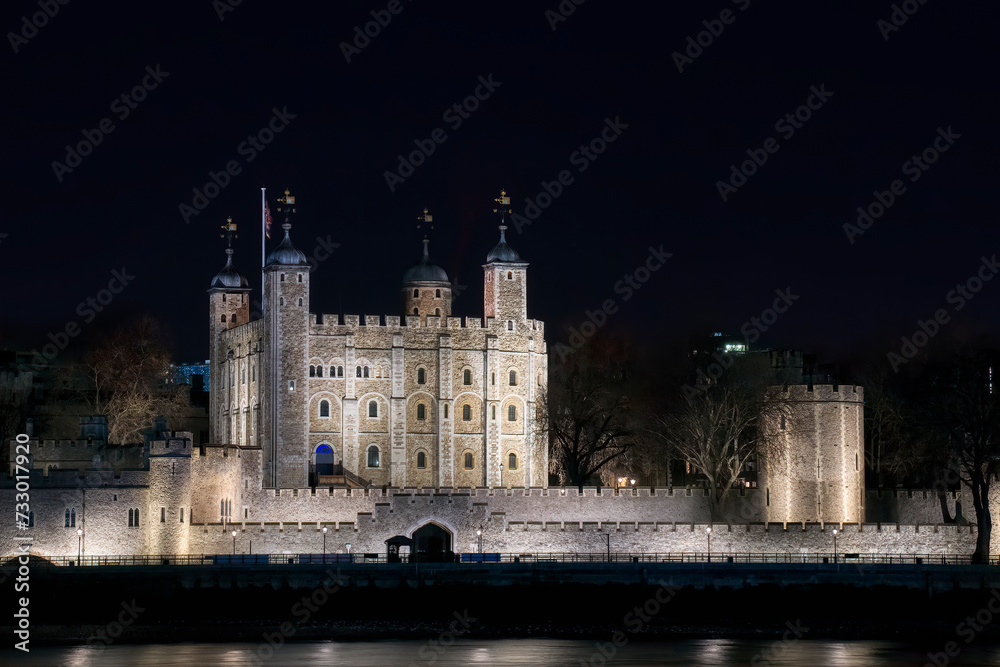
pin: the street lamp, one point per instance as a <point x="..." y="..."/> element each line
<point x="234" y="542"/>
<point x="479" y="535"/>
<point x="708" y="532"/>
<point x="79" y="544"/>
<point x="324" y="544"/>
<point x="501" y="474"/>
<point x="348" y="547"/>
<point x="835" y="548"/>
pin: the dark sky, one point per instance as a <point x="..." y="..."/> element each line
<point x="655" y="184"/>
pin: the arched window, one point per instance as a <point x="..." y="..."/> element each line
<point x="445" y="410"/>
<point x="512" y="461"/>
<point x="437" y="312"/>
<point x="510" y="325"/>
<point x="253" y="373"/>
<point x="467" y="376"/>
<point x="466" y="412"/>
<point x="493" y="378"/>
<point x="233" y="318"/>
<point x="324" y="408"/>
<point x="359" y="371"/>
<point x="281" y="301"/>
<point x="415" y="312"/>
<point x="223" y="318"/>
<point x="493" y="412"/>
<point x="333" y="371"/>
<point x="282" y="277"/>
<point x="366" y="371"/>
<point x="421" y="411"/>
<point x="300" y="277"/>
<point x="421" y="376"/>
<point x="373" y="408"/>
<point x="72" y="518"/>
<point x="416" y="293"/>
<point x="421" y="460"/>
<point x="373" y="457"/>
<point x="300" y="302"/>
<point x="312" y="371"/>
<point x="67" y="517"/>
<point x="136" y="517"/>
<point x="468" y="460"/>
<point x="511" y="413"/>
<point x="378" y="371"/>
<point x="437" y="294"/>
<point x="340" y="371"/>
<point x="319" y="371"/>
<point x="510" y="275"/>
<point x="130" y="517"/>
<point x="513" y="378"/>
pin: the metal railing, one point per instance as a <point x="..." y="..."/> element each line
<point x="687" y="557"/>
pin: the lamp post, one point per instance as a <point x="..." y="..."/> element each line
<point x="835" y="548"/>
<point x="234" y="542"/>
<point x="708" y="533"/>
<point x="501" y="474"/>
<point x="479" y="536"/>
<point x="324" y="544"/>
<point x="348" y="545"/>
<point x="79" y="545"/>
<point x="607" y="538"/>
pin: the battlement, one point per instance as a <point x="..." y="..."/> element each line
<point x="330" y="324"/>
<point x="822" y="392"/>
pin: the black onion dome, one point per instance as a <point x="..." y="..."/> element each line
<point x="229" y="276"/>
<point x="425" y="272"/>
<point x="287" y="254"/>
<point x="501" y="251"/>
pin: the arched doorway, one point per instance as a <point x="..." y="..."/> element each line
<point x="432" y="543"/>
<point x="324" y="460"/>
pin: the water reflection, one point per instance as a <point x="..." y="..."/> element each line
<point x="503" y="653"/>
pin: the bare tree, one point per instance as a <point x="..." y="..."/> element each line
<point x="126" y="378"/>
<point x="721" y="427"/>
<point x="587" y="416"/>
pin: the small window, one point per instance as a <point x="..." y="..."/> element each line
<point x="445" y="410"/>
<point x="512" y="461"/>
<point x="373" y="408"/>
<point x="324" y="408"/>
<point x="291" y="385"/>
<point x="300" y="277"/>
<point x="782" y="422"/>
<point x="493" y="412"/>
<point x="437" y="312"/>
<point x="253" y="373"/>
<point x="437" y="294"/>
<point x="130" y="519"/>
<point x="513" y="378"/>
<point x="359" y="371"/>
<point x="767" y="496"/>
<point x="366" y="371"/>
<point x="300" y="302"/>
<point x="163" y="515"/>
<point x="136" y="517"/>
<point x="223" y="318"/>
<point x="281" y="301"/>
<point x="493" y="378"/>
<point x="468" y="460"/>
<point x="67" y="517"/>
<point x="421" y="411"/>
<point x="510" y="275"/>
<point x="319" y="371"/>
<point x="421" y="460"/>
<point x="223" y="298"/>
<point x="467" y="376"/>
<point x="421" y="376"/>
<point x="340" y="371"/>
<point x="510" y="325"/>
<point x="416" y="293"/>
<point x="282" y="277"/>
<point x="415" y="311"/>
<point x="233" y="319"/>
<point x="312" y="371"/>
<point x="333" y="371"/>
<point x="373" y="457"/>
<point x="512" y="413"/>
<point x="466" y="412"/>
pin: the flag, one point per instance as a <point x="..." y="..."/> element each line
<point x="267" y="220"/>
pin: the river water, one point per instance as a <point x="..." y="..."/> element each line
<point x="511" y="652"/>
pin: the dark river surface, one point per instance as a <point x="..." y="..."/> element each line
<point x="502" y="652"/>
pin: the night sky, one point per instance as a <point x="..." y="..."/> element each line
<point x="887" y="93"/>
